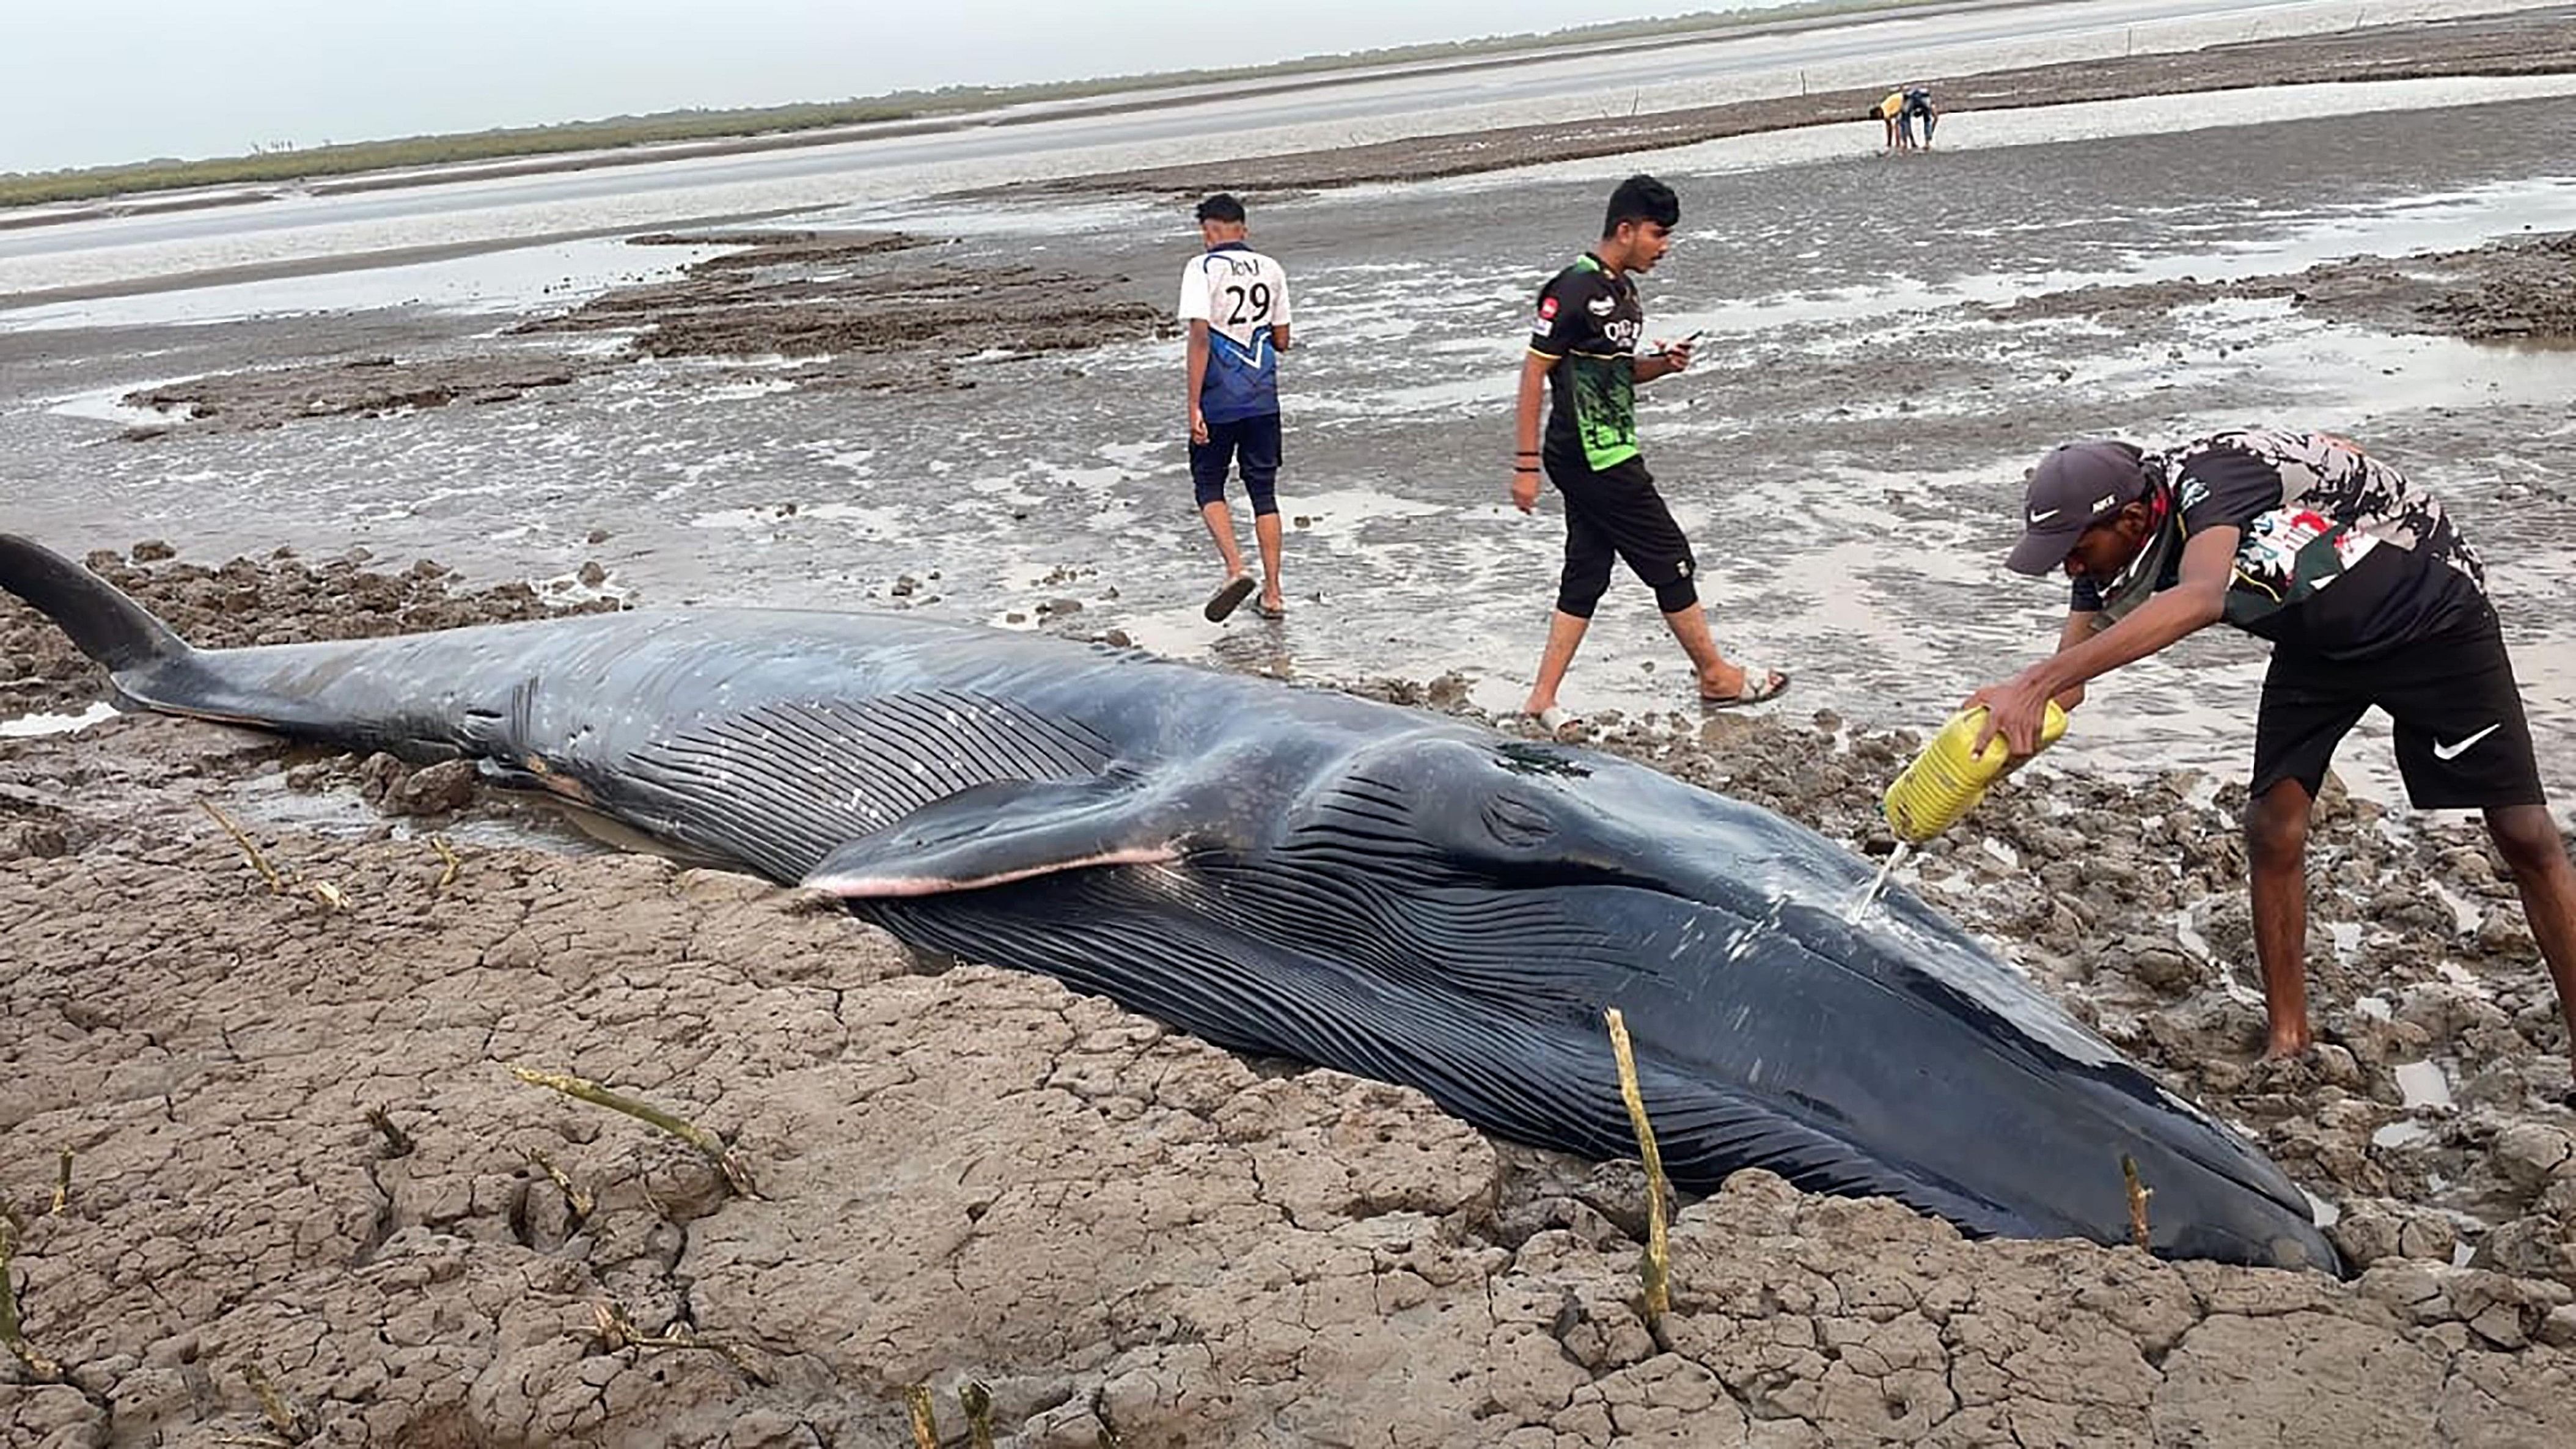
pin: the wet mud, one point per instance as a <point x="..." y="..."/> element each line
<point x="2528" y="43"/>
<point x="888" y="310"/>
<point x="297" y="1156"/>
<point x="871" y="310"/>
<point x="296" y="1149"/>
<point x="2520" y="289"/>
<point x="364" y="387"/>
<point x="881" y="311"/>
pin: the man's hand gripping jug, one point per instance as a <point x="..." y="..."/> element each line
<point x="1950" y="776"/>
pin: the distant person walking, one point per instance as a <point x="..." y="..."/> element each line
<point x="1918" y="107"/>
<point x="1235" y="301"/>
<point x="1583" y="351"/>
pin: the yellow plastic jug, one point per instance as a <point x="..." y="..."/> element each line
<point x="1949" y="777"/>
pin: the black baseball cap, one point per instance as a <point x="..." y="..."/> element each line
<point x="2076" y="486"/>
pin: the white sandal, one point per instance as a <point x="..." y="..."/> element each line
<point x="1772" y="684"/>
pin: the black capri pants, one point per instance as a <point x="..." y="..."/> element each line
<point x="1616" y="513"/>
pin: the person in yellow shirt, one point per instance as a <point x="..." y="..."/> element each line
<point x="1888" y="111"/>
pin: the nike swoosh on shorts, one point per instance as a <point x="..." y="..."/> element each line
<point x="2442" y="751"/>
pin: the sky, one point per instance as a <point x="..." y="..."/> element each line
<point x="98" y="82"/>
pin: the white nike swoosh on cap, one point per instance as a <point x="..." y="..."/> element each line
<point x="2442" y="751"/>
<point x="2038" y="518"/>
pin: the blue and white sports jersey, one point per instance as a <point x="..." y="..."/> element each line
<point x="1240" y="294"/>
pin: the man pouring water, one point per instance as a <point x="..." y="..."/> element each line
<point x="2369" y="596"/>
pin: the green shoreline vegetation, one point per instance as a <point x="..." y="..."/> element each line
<point x="289" y="166"/>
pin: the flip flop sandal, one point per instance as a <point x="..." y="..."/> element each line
<point x="1774" y="683"/>
<point x="1557" y="722"/>
<point x="1226" y="600"/>
<point x="1274" y="611"/>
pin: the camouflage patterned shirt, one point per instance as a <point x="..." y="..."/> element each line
<point x="2337" y="552"/>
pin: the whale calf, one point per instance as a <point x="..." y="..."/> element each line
<point x="1295" y="872"/>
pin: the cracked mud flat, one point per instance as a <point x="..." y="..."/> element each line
<point x="973" y="1175"/>
<point x="968" y="1174"/>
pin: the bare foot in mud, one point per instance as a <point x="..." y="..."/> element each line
<point x="2293" y="1075"/>
<point x="2317" y="1064"/>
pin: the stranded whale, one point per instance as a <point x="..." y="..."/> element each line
<point x="1300" y="873"/>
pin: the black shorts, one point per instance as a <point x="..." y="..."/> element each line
<point x="1617" y="512"/>
<point x="1252" y="441"/>
<point x="2462" y="742"/>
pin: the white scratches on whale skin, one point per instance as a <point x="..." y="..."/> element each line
<point x="905" y="887"/>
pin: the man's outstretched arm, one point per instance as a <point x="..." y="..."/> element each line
<point x="2081" y="624"/>
<point x="2198" y="599"/>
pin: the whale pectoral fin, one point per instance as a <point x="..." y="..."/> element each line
<point x="993" y="833"/>
<point x="533" y="777"/>
<point x="507" y="777"/>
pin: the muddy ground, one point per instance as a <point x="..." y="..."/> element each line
<point x="2519" y="289"/>
<point x="2533" y="42"/>
<point x="297" y="1154"/>
<point x="966" y="1176"/>
<point x="873" y="310"/>
<point x="886" y="311"/>
<point x="867" y="311"/>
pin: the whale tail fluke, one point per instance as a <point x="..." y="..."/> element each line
<point x="108" y="626"/>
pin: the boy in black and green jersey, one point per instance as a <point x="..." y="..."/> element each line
<point x="1584" y="346"/>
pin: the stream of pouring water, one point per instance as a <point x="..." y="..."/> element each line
<point x="1869" y="897"/>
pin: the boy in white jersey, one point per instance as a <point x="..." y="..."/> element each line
<point x="1235" y="301"/>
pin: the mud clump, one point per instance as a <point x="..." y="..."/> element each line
<point x="2519" y="288"/>
<point x="270" y="397"/>
<point x="880" y="309"/>
<point x="2532" y="294"/>
<point x="297" y="1148"/>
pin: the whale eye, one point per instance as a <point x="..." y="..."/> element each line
<point x="1516" y="823"/>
